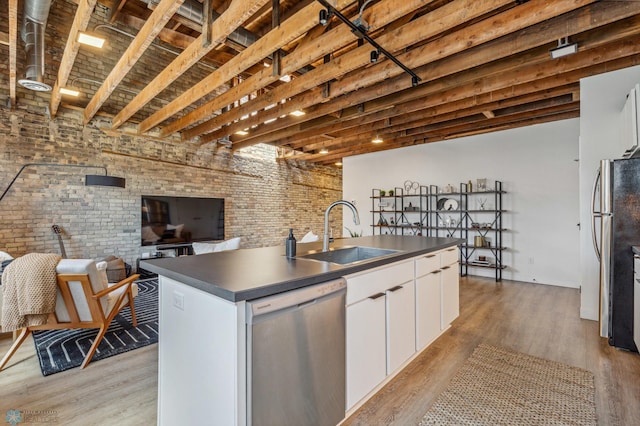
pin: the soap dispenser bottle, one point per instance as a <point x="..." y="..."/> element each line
<point x="290" y="244"/>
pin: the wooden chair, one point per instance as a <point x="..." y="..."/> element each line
<point x="84" y="300"/>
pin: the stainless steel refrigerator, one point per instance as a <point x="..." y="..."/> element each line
<point x="615" y="228"/>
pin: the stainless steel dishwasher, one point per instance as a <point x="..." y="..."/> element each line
<point x="296" y="357"/>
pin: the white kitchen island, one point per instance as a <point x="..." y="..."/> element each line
<point x="395" y="306"/>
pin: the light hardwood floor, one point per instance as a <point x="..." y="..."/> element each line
<point x="535" y="319"/>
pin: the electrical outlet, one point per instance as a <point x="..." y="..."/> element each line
<point x="178" y="300"/>
<point x="531" y="261"/>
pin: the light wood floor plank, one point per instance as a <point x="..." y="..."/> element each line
<point x="535" y="319"/>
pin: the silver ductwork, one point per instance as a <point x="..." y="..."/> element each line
<point x="34" y="23"/>
<point x="192" y="10"/>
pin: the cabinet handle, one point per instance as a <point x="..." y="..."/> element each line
<point x="376" y="296"/>
<point x="452" y="249"/>
<point x="445" y="267"/>
<point x="430" y="256"/>
<point x="396" y="288"/>
<point x="436" y="272"/>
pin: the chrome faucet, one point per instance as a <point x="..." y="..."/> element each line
<point x="356" y="220"/>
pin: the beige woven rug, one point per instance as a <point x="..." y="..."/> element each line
<point x="496" y="386"/>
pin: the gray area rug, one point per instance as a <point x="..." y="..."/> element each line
<point x="496" y="386"/>
<point x="60" y="350"/>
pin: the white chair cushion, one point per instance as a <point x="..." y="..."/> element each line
<point x="113" y="297"/>
<point x="201" y="248"/>
<point x="98" y="278"/>
<point x="309" y="237"/>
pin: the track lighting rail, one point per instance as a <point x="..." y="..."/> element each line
<point x="361" y="31"/>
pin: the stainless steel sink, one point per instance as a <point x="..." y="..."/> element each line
<point x="347" y="255"/>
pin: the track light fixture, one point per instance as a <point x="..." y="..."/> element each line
<point x="564" y="48"/>
<point x="374" y="56"/>
<point x="360" y="28"/>
<point x="324" y="17"/>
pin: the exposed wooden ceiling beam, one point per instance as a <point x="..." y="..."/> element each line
<point x="4" y="38"/>
<point x="156" y="22"/>
<point x="275" y="39"/>
<point x="116" y="7"/>
<point x="444" y="112"/>
<point x="625" y="53"/>
<point x="13" y="43"/>
<point x="80" y="23"/>
<point x="510" y="21"/>
<point x="304" y="54"/>
<point x="228" y="22"/>
<point x="582" y="20"/>
<point x="452" y="14"/>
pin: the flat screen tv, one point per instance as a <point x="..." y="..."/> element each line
<point x="181" y="220"/>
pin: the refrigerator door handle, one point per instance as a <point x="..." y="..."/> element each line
<point x="595" y="215"/>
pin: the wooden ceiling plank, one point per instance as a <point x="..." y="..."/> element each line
<point x="325" y="44"/>
<point x="80" y="23"/>
<point x="629" y="50"/>
<point x="288" y="31"/>
<point x="452" y="14"/>
<point x="156" y="22"/>
<point x="497" y="26"/>
<point x="4" y="38"/>
<point x="590" y="17"/>
<point x="13" y="47"/>
<point x="629" y="58"/>
<point x="446" y="112"/>
<point x="445" y="132"/>
<point x="226" y="23"/>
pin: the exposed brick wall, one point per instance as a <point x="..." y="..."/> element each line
<point x="263" y="196"/>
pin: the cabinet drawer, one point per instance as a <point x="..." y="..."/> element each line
<point x="427" y="264"/>
<point x="449" y="256"/>
<point x="361" y="286"/>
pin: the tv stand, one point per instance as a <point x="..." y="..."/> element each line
<point x="180" y="249"/>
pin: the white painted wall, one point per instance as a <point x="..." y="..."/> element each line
<point x="537" y="165"/>
<point x="602" y="98"/>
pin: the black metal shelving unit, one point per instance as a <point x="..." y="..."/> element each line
<point x="401" y="213"/>
<point x="424" y="213"/>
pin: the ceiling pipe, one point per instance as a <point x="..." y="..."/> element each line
<point x="192" y="10"/>
<point x="34" y="23"/>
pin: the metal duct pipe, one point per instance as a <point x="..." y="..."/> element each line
<point x="34" y="23"/>
<point x="192" y="10"/>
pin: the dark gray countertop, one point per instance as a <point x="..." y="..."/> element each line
<point x="248" y="274"/>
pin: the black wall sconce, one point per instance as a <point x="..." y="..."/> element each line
<point x="90" y="180"/>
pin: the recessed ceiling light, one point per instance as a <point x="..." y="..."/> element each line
<point x="286" y="78"/>
<point x="297" y="113"/>
<point x="242" y="133"/>
<point x="271" y="120"/>
<point x="377" y="139"/>
<point x="90" y="40"/>
<point x="338" y="163"/>
<point x="324" y="151"/>
<point x="69" y="92"/>
<point x="266" y="64"/>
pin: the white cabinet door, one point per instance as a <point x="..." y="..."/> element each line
<point x="427" y="309"/>
<point x="450" y="295"/>
<point x="366" y="347"/>
<point x="401" y="325"/>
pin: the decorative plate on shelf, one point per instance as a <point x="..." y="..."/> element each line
<point x="450" y="204"/>
<point x="441" y="202"/>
